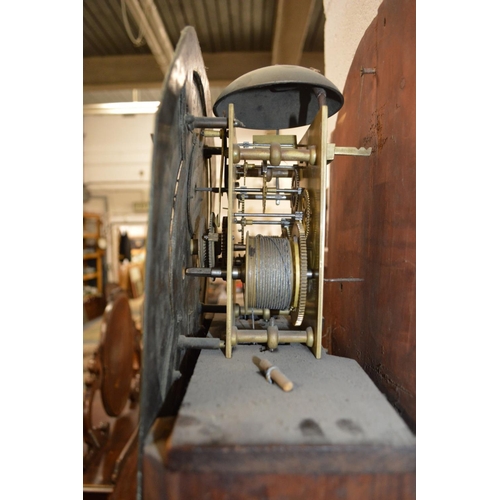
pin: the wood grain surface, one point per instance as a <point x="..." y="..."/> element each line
<point x="372" y="205"/>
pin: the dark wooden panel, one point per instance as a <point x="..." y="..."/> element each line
<point x="299" y="459"/>
<point x="209" y="486"/>
<point x="372" y="211"/>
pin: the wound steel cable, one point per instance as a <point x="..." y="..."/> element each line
<point x="269" y="272"/>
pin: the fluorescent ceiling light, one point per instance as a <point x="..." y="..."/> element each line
<point x="122" y="108"/>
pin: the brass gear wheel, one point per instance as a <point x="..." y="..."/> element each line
<point x="294" y="199"/>
<point x="299" y="249"/>
<point x="224" y="240"/>
<point x="202" y="246"/>
<point x="212" y="230"/>
<point x="305" y="207"/>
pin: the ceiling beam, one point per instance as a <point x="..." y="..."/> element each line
<point x="119" y="72"/>
<point x="142" y="71"/>
<point x="290" y="30"/>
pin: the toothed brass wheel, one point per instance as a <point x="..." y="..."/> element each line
<point x="298" y="239"/>
<point x="305" y="207"/>
<point x="212" y="235"/>
<point x="294" y="198"/>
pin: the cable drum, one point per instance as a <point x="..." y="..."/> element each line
<point x="268" y="273"/>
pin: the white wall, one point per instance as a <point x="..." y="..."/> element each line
<point x="117" y="156"/>
<point x="117" y="147"/>
<point x="346" y="23"/>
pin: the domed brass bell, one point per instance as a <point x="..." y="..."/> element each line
<point x="279" y="97"/>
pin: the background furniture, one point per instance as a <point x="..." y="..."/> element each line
<point x="93" y="294"/>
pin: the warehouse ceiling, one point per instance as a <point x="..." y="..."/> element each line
<point x="128" y="44"/>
